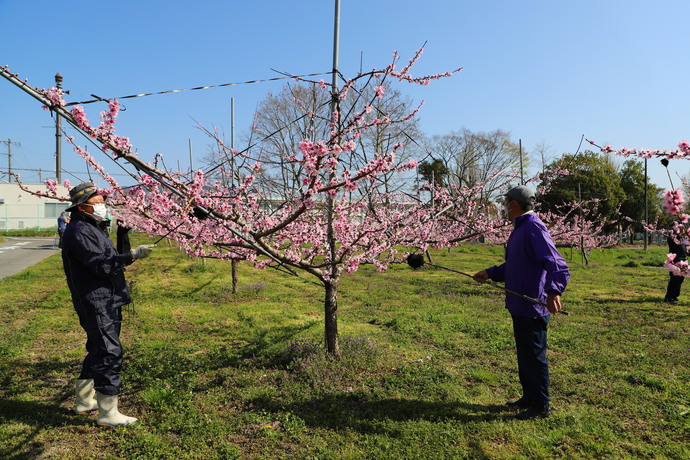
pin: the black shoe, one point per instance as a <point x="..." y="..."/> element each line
<point x="667" y="300"/>
<point x="522" y="403"/>
<point x="533" y="413"/>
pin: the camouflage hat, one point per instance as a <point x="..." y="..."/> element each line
<point x="522" y="194"/>
<point x="80" y="194"/>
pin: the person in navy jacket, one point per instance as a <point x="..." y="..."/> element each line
<point x="533" y="267"/>
<point x="676" y="245"/>
<point x="95" y="276"/>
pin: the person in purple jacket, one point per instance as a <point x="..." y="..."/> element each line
<point x="533" y="267"/>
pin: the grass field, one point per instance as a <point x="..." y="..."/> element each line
<point x="427" y="364"/>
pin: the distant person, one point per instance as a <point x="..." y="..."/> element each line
<point x="95" y="276"/>
<point x="676" y="245"/>
<point x="533" y="267"/>
<point x="63" y="220"/>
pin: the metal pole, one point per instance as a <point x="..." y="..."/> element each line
<point x="336" y="45"/>
<point x="58" y="135"/>
<point x="330" y="233"/>
<point x="433" y="188"/>
<point x="522" y="175"/>
<point x="233" y="261"/>
<point x="646" y="211"/>
<point x="191" y="168"/>
<point x="232" y="141"/>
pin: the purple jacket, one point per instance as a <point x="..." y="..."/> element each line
<point x="533" y="267"/>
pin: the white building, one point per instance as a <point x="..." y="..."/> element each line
<point x="21" y="210"/>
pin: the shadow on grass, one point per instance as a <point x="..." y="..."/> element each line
<point x="260" y="348"/>
<point x="676" y="311"/>
<point x="638" y="300"/>
<point x="362" y="414"/>
<point x="21" y="443"/>
<point x="27" y="374"/>
<point x="202" y="287"/>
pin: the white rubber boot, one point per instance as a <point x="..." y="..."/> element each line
<point x="108" y="414"/>
<point x="84" y="397"/>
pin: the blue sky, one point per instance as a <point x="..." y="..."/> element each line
<point x="545" y="71"/>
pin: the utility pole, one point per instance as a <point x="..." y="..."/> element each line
<point x="9" y="143"/>
<point x="646" y="211"/>
<point x="58" y="135"/>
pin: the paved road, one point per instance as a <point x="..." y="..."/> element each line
<point x="16" y="254"/>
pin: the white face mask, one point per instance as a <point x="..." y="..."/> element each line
<point x="506" y="210"/>
<point x="99" y="210"/>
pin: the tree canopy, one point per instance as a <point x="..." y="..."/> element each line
<point x="632" y="181"/>
<point x="590" y="176"/>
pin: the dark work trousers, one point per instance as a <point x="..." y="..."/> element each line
<point x="533" y="367"/>
<point x="103" y="360"/>
<point x="673" y="288"/>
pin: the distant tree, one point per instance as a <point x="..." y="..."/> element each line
<point x="473" y="158"/>
<point x="434" y="172"/>
<point x="301" y="111"/>
<point x="591" y="176"/>
<point x="544" y="153"/>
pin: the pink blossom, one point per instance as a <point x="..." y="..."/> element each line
<point x="51" y="185"/>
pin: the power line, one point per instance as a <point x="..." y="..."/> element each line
<point x="41" y="170"/>
<point x="100" y="99"/>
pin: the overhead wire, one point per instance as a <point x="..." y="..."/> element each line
<point x="100" y="99"/>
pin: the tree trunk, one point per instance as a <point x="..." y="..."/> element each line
<point x="233" y="269"/>
<point x="331" y="314"/>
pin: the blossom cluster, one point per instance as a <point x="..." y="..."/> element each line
<point x="674" y="201"/>
<point x="105" y="132"/>
<point x="54" y="95"/>
<point x="679" y="268"/>
<point x="682" y="152"/>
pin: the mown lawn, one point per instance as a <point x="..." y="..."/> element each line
<point x="427" y="365"/>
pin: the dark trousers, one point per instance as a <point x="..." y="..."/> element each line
<point x="673" y="288"/>
<point x="103" y="361"/>
<point x="61" y="231"/>
<point x="533" y="367"/>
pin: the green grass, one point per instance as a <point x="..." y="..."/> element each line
<point x="427" y="363"/>
<point x="29" y="232"/>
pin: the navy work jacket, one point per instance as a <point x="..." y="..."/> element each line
<point x="533" y="267"/>
<point x="93" y="267"/>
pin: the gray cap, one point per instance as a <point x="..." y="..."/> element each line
<point x="521" y="193"/>
<point x="80" y="193"/>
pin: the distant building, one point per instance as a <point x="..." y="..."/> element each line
<point x="21" y="210"/>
